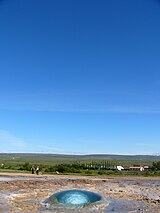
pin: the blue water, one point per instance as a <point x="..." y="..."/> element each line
<point x="77" y="197"/>
<point x="84" y="204"/>
<point x="86" y="201"/>
<point x="70" y="200"/>
<point x="74" y="197"/>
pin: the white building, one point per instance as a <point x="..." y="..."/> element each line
<point x="120" y="168"/>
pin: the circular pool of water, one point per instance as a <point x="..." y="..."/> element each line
<point x="74" y="197"/>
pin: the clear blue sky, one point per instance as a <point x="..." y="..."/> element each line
<point x="80" y="76"/>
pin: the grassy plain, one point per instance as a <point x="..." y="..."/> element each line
<point x="75" y="164"/>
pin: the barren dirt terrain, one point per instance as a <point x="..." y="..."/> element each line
<point x="24" y="192"/>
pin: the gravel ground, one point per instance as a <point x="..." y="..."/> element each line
<point x="23" y="193"/>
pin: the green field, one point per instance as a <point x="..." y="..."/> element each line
<point x="76" y="164"/>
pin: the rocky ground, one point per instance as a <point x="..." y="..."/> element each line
<point x="23" y="193"/>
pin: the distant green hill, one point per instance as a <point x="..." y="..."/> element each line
<point x="23" y="157"/>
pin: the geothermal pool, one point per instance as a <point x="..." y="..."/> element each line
<point x="74" y="197"/>
<point x="27" y="193"/>
<point x="86" y="201"/>
<point x="73" y="200"/>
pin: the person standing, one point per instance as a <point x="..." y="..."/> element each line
<point x="32" y="169"/>
<point x="37" y="170"/>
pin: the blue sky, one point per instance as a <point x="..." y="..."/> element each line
<point x="80" y="76"/>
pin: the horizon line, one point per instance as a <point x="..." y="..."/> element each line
<point x="80" y="154"/>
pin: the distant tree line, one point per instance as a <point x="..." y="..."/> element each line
<point x="99" y="167"/>
<point x="77" y="166"/>
<point x="156" y="165"/>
